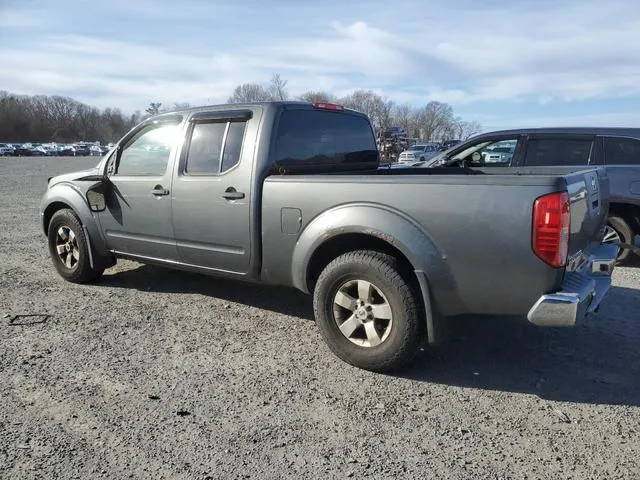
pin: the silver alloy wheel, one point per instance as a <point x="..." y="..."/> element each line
<point x="67" y="247"/>
<point x="610" y="235"/>
<point x="362" y="313"/>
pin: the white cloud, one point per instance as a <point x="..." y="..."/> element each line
<point x="602" y="119"/>
<point x="461" y="53"/>
<point x="19" y="18"/>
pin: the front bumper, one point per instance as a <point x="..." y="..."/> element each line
<point x="581" y="293"/>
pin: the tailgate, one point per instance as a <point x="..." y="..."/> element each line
<point x="589" y="196"/>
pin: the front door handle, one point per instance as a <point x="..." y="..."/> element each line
<point x="159" y="190"/>
<point x="231" y="194"/>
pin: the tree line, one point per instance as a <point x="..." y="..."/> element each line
<point x="42" y="118"/>
<point x="435" y="121"/>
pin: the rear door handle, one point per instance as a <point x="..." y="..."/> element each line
<point x="231" y="194"/>
<point x="159" y="190"/>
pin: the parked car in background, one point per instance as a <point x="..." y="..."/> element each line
<point x="289" y="193"/>
<point x="567" y="150"/>
<point x="39" y="151"/>
<point x="419" y="152"/>
<point x="95" y="151"/>
<point x="82" y="149"/>
<point x="499" y="153"/>
<point x="395" y="132"/>
<point x="7" y="150"/>
<point x="98" y="150"/>
<point x="447" y="144"/>
<point x="50" y="149"/>
<point x="28" y="150"/>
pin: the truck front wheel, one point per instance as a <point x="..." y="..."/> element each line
<point x="367" y="311"/>
<point x="68" y="248"/>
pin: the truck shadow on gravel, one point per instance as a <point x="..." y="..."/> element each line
<point x="597" y="362"/>
<point x="150" y="278"/>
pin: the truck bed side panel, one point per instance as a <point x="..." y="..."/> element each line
<point x="480" y="224"/>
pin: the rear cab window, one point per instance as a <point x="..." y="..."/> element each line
<point x="621" y="151"/>
<point x="308" y="138"/>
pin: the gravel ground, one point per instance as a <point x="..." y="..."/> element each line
<point x="160" y="374"/>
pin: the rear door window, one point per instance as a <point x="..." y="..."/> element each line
<point x="558" y="151"/>
<point x="621" y="151"/>
<point x="316" y="137"/>
<point x="214" y="147"/>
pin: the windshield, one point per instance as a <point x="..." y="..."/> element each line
<point x="416" y="147"/>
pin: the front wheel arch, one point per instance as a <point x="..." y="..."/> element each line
<point x="50" y="211"/>
<point x="74" y="259"/>
<point x="100" y="257"/>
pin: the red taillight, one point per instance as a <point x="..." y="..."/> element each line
<point x="551" y="222"/>
<point x="328" y="106"/>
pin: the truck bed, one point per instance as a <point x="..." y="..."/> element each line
<point x="479" y="224"/>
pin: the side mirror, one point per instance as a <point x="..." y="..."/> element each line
<point x="96" y="197"/>
<point x="95" y="193"/>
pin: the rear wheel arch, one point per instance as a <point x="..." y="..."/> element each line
<point x="354" y="226"/>
<point x="349" y="242"/>
<point x="330" y="250"/>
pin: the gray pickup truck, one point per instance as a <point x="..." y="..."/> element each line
<point x="289" y="193"/>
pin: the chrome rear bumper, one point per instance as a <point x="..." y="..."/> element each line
<point x="581" y="292"/>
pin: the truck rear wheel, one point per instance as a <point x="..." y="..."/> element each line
<point x="367" y="311"/>
<point x="618" y="230"/>
<point x="68" y="248"/>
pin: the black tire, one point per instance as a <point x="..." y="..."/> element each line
<point x="623" y="229"/>
<point x="80" y="270"/>
<point x="401" y="343"/>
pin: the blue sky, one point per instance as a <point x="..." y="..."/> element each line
<point x="502" y="63"/>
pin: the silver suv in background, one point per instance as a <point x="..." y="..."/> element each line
<point x="419" y="152"/>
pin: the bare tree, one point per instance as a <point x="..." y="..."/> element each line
<point x="378" y="109"/>
<point x="406" y="117"/>
<point x="153" y="108"/>
<point x="465" y="129"/>
<point x="278" y="88"/>
<point x="248" y="93"/>
<point x="435" y="120"/>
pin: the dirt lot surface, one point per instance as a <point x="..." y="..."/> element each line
<point x="159" y="374"/>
